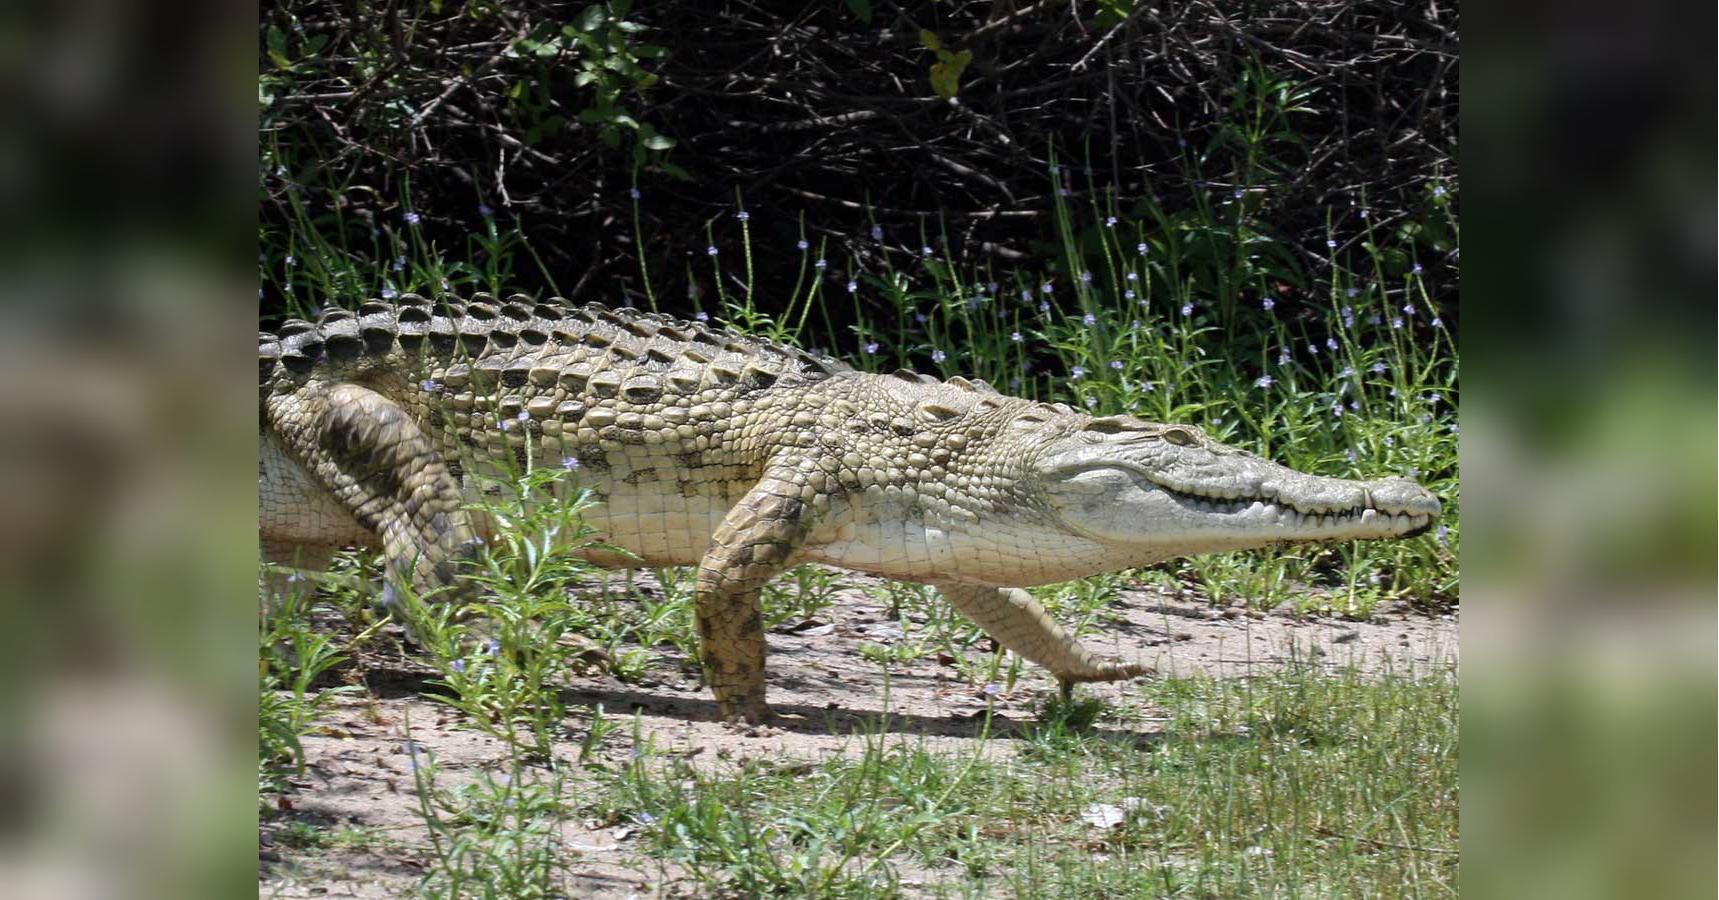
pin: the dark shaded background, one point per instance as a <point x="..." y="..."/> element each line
<point x="824" y="122"/>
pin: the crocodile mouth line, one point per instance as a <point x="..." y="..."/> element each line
<point x="1291" y="517"/>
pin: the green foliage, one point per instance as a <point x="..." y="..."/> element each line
<point x="946" y="71"/>
<point x="291" y="656"/>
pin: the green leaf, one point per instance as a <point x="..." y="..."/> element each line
<point x="929" y="40"/>
<point x="592" y="18"/>
<point x="659" y="142"/>
<point x="861" y="9"/>
<point x="946" y="75"/>
<point x="276" y="40"/>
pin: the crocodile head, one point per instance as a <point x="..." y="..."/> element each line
<point x="1152" y="492"/>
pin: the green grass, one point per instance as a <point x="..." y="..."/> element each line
<point x="1295" y="784"/>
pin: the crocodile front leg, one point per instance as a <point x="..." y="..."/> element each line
<point x="1019" y="623"/>
<point x="751" y="546"/>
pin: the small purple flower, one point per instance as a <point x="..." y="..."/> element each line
<point x="1238" y="193"/>
<point x="1396" y="322"/>
<point x="1116" y="364"/>
<point x="991" y="287"/>
<point x="1374" y="319"/>
<point x="1128" y="294"/>
<point x="1336" y="410"/>
<point x="506" y="425"/>
<point x="1045" y="288"/>
<point x="412" y="218"/>
<point x="399" y="263"/>
<point x="1330" y="244"/>
<point x="458" y="665"/>
<point x="1026" y="295"/>
<point x="1086" y="277"/>
<point x="938" y="356"/>
<point x="1416" y="270"/>
<point x="1146" y="386"/>
<point x="926" y="250"/>
<point x="920" y="318"/>
<point x="430" y="385"/>
<point x="1283" y="357"/>
<point x="524" y="416"/>
<point x="743" y="216"/>
<point x="1313" y="349"/>
<point x="1132" y="276"/>
<point x="291" y="260"/>
<point x="871" y="348"/>
<point x="1077" y="372"/>
<point x="1378" y="368"/>
<point x="1434" y="399"/>
<point x="570" y="463"/>
<point x="1438" y="191"/>
<point x="1353" y="456"/>
<point x="820" y="264"/>
<point x="1140" y="248"/>
<point x="1351" y="293"/>
<point x="1044" y="308"/>
<point x="1110" y="222"/>
<point x="993" y="689"/>
<point x="1348" y="371"/>
<point x="1263" y="381"/>
<point x="1331" y="344"/>
<point x="1091" y="402"/>
<point x="1437" y="322"/>
<point x="1408" y="309"/>
<point x="1089" y="320"/>
<point x="877" y="232"/>
<point x="492" y="647"/>
<point x="1363" y="214"/>
<point x="801" y="245"/>
<point x="702" y="316"/>
<point x="1390" y="441"/>
<point x="1267" y="304"/>
<point x="1016" y="337"/>
<point x="633" y="193"/>
<point x="485" y="211"/>
<point x="711" y="249"/>
<point x="853" y="286"/>
<point x="389" y="293"/>
<point x="1187" y="309"/>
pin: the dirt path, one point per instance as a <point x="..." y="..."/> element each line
<point x="360" y="773"/>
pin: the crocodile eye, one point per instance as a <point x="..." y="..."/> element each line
<point x="1181" y="437"/>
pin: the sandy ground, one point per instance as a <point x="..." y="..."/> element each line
<point x="822" y="690"/>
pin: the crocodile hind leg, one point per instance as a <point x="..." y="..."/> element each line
<point x="373" y="460"/>
<point x="1019" y="623"/>
<point x="752" y="545"/>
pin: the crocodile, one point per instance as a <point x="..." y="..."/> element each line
<point x="742" y="456"/>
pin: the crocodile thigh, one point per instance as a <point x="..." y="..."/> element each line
<point x="375" y="461"/>
<point x="753" y="545"/>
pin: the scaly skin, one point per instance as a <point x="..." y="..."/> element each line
<point x="745" y="458"/>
